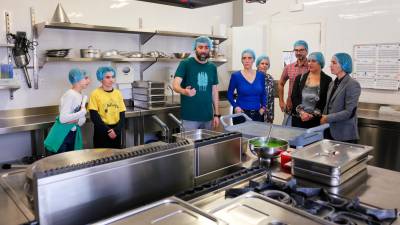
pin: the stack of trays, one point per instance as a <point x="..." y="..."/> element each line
<point x="330" y="162"/>
<point x="148" y="94"/>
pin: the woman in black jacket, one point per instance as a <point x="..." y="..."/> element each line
<point x="309" y="93"/>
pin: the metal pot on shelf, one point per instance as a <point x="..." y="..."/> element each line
<point x="90" y="52"/>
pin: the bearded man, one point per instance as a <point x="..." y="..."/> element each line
<point x="196" y="80"/>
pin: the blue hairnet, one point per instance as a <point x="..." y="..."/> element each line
<point x="261" y="58"/>
<point x="249" y="51"/>
<point x="204" y="40"/>
<point x="103" y="70"/>
<point x="345" y="61"/>
<point x="318" y="57"/>
<point x="302" y="43"/>
<point x="75" y="75"/>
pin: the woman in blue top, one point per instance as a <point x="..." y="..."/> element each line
<point x="250" y="88"/>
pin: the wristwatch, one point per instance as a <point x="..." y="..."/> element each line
<point x="217" y="115"/>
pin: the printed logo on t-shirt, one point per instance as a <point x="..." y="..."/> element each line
<point x="110" y="107"/>
<point x="202" y="81"/>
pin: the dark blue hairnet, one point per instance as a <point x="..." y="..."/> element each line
<point x="103" y="70"/>
<point x="204" y="40"/>
<point x="261" y="58"/>
<point x="318" y="57"/>
<point x="249" y="51"/>
<point x="345" y="61"/>
<point x="75" y="75"/>
<point x="302" y="43"/>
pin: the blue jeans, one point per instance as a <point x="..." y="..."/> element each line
<point x="193" y="125"/>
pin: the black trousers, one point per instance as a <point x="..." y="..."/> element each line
<point x="253" y="114"/>
<point x="102" y="140"/>
<point x="327" y="135"/>
<point x="67" y="145"/>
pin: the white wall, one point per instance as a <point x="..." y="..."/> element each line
<point x="53" y="76"/>
<point x="343" y="24"/>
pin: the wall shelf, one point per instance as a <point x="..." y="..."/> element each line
<point x="9" y="84"/>
<point x="60" y="59"/>
<point x="145" y="35"/>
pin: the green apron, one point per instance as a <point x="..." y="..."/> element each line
<point x="57" y="134"/>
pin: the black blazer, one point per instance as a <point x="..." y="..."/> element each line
<point x="298" y="86"/>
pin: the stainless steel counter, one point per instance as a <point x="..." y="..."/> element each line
<point x="382" y="131"/>
<point x="44" y="117"/>
<point x="377" y="187"/>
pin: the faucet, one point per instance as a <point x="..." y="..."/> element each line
<point x="182" y="129"/>
<point x="164" y="127"/>
<point x="172" y="93"/>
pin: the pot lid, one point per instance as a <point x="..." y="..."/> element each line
<point x="332" y="153"/>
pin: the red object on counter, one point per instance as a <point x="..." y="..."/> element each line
<point x="286" y="157"/>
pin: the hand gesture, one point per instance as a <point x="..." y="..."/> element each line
<point x="189" y="91"/>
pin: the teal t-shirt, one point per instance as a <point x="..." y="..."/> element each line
<point x="201" y="77"/>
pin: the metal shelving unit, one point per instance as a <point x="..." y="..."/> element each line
<point x="8" y="84"/>
<point x="144" y="37"/>
<point x="59" y="59"/>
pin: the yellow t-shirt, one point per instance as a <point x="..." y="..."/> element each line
<point x="107" y="104"/>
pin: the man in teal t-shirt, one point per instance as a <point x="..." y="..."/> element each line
<point x="196" y="80"/>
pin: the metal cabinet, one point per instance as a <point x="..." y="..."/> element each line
<point x="385" y="137"/>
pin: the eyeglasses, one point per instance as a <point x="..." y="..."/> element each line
<point x="299" y="50"/>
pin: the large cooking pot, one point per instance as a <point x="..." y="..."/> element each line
<point x="90" y="52"/>
<point x="266" y="148"/>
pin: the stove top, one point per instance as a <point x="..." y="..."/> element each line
<point x="316" y="202"/>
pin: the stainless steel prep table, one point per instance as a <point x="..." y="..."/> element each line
<point x="38" y="120"/>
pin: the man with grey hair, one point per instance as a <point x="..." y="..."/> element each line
<point x="197" y="81"/>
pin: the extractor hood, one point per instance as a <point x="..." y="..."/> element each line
<point x="189" y="3"/>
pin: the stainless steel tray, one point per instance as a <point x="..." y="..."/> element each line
<point x="255" y="209"/>
<point x="170" y="211"/>
<point x="330" y="180"/>
<point x="151" y="98"/>
<point x="295" y="136"/>
<point x="148" y="91"/>
<point x="328" y="157"/>
<point x="148" y="105"/>
<point x="148" y="84"/>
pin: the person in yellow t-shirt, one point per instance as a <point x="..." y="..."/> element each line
<point x="107" y="111"/>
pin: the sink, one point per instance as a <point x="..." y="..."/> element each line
<point x="198" y="134"/>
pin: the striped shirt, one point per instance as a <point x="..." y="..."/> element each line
<point x="291" y="71"/>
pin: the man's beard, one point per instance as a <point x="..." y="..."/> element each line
<point x="202" y="56"/>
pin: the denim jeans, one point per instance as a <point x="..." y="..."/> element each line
<point x="193" y="125"/>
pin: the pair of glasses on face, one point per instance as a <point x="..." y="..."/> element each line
<point x="300" y="50"/>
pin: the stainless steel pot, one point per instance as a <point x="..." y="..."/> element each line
<point x="90" y="52"/>
<point x="265" y="148"/>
